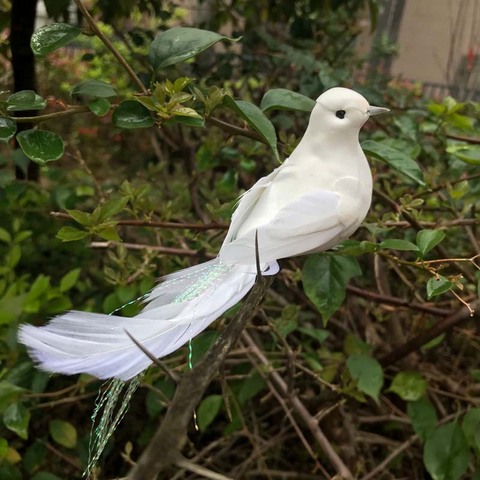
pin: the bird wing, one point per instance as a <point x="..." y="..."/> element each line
<point x="311" y="222"/>
<point x="247" y="202"/>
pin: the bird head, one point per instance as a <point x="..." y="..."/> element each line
<point x="342" y="109"/>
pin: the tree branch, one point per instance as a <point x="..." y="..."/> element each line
<point x="72" y="110"/>
<point x="106" y="41"/>
<point x="310" y="422"/>
<point x="155" y="248"/>
<point x="426" y="336"/>
<point x="234" y="130"/>
<point x="159" y="224"/>
<point x="164" y="450"/>
<point x="401" y="302"/>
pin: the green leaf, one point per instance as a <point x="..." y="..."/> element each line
<point x="45" y="476"/>
<point x="438" y="285"/>
<point x="190" y="121"/>
<point x="25" y="100"/>
<point x="69" y="279"/>
<point x="471" y="428"/>
<point x="8" y="471"/>
<point x="465" y="152"/>
<point x="3" y="449"/>
<point x="8" y="127"/>
<point x="446" y="454"/>
<point x="256" y="119"/>
<point x="16" y="418"/>
<point x="423" y="416"/>
<point x="409" y="386"/>
<point x="111" y="207"/>
<point x="13" y="256"/>
<point x="354" y="247"/>
<point x="9" y="393"/>
<point x="34" y="457"/>
<point x="201" y="343"/>
<point x="396" y="159"/>
<point x="208" y="410"/>
<point x="70" y="234"/>
<point x="108" y="232"/>
<point x="251" y="386"/>
<point x="181" y="43"/>
<point x="354" y="345"/>
<point x="398" y="244"/>
<point x="317" y="333"/>
<point x="99" y="106"/>
<point x="40" y="146"/>
<point x="368" y="373"/>
<point x="283" y="99"/>
<point x="51" y="37"/>
<point x="325" y="279"/>
<point x="64" y="433"/>
<point x="428" y="239"/>
<point x="95" y="89"/>
<point x="5" y="236"/>
<point x="83" y="218"/>
<point x="39" y="286"/>
<point x="132" y="114"/>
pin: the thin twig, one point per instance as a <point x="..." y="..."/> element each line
<point x="401" y="302"/>
<point x="426" y="336"/>
<point x="152" y="357"/>
<point x="172" y="433"/>
<point x="301" y="411"/>
<point x="203" y="472"/>
<point x="463" y="138"/>
<point x="395" y="453"/>
<point x="48" y="116"/>
<point x="288" y="413"/>
<point x="234" y="130"/>
<point x="106" y="41"/>
<point x="156" y="248"/>
<point x="155" y="224"/>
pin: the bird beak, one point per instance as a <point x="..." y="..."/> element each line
<point x="377" y="110"/>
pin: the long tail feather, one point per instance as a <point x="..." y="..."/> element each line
<point x="177" y="310"/>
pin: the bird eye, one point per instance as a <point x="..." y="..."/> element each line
<point x="340" y="114"/>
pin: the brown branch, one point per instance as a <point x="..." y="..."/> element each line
<point x="171" y="436"/>
<point x="401" y="448"/>
<point x="463" y="138"/>
<point x="234" y="130"/>
<point x="427" y="335"/>
<point x="395" y="453"/>
<point x="72" y="110"/>
<point x="155" y="248"/>
<point x="157" y="224"/>
<point x="310" y="422"/>
<point x="401" y="302"/>
<point x="106" y="41"/>
<point x="201" y="471"/>
<point x="66" y="458"/>
<point x="459" y="222"/>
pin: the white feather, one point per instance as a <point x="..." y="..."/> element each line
<point x="97" y="344"/>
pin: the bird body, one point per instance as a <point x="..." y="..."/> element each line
<point x="315" y="199"/>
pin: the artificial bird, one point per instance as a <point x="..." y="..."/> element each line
<point x="318" y="197"/>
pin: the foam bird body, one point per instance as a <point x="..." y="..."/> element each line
<point x="315" y="199"/>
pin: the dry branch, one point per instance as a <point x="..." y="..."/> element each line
<point x="172" y="433"/>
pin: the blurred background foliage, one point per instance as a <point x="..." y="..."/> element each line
<point x="393" y="377"/>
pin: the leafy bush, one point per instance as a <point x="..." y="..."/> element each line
<point x="374" y="342"/>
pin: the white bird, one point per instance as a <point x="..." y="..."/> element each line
<point x="315" y="199"/>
